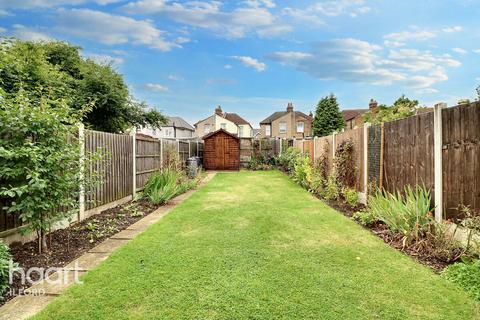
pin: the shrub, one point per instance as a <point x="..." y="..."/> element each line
<point x="303" y="171"/>
<point x="410" y="213"/>
<point x="5" y="258"/>
<point x="344" y="164"/>
<point x="466" y="275"/>
<point x="332" y="188"/>
<point x="286" y="160"/>
<point x="351" y="196"/>
<point x="365" y="218"/>
<point x="162" y="186"/>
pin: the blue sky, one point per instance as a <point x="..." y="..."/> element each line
<point x="254" y="56"/>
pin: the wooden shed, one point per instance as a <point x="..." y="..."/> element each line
<point x="221" y="151"/>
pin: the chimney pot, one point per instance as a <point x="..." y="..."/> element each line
<point x="290" y="107"/>
<point x="373" y="104"/>
<point x="218" y="110"/>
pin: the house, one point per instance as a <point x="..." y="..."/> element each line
<point x="287" y="124"/>
<point x="354" y="117"/>
<point x="175" y="128"/>
<point x="230" y="122"/>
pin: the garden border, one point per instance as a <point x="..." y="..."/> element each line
<point x="24" y="306"/>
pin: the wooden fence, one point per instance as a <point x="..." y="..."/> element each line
<point x="266" y="147"/>
<point x="126" y="163"/>
<point x="405" y="152"/>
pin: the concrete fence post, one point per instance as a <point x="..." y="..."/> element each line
<point x="314" y="148"/>
<point x="161" y="154"/>
<point x="134" y="162"/>
<point x="198" y="147"/>
<point x="280" y="146"/>
<point x="81" y="195"/>
<point x="437" y="153"/>
<point x="365" y="161"/>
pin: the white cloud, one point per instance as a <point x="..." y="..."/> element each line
<point x="315" y="13"/>
<point x="105" y="59"/>
<point x="354" y="60"/>
<point x="156" y="87"/>
<point x="249" y="17"/>
<point x="398" y="39"/>
<point x="30" y="4"/>
<point x="476" y="50"/>
<point x="29" y="34"/>
<point x="111" y="29"/>
<point x="459" y="50"/>
<point x="174" y="77"/>
<point x="426" y="91"/>
<point x="452" y="29"/>
<point x="251" y="62"/>
<point x="227" y="66"/>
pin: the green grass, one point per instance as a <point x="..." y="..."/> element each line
<point x="253" y="245"/>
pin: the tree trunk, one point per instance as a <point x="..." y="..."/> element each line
<point x="43" y="242"/>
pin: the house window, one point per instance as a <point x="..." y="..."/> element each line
<point x="300" y="127"/>
<point x="240" y="131"/>
<point x="223" y="126"/>
<point x="282" y="127"/>
<point x="206" y="128"/>
<point x="267" y="130"/>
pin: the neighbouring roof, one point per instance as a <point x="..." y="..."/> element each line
<point x="218" y="131"/>
<point x="256" y="132"/>
<point x="235" y="118"/>
<point x="178" y="122"/>
<point x="274" y="116"/>
<point x="352" y="113"/>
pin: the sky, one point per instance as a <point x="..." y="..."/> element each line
<point x="252" y="57"/>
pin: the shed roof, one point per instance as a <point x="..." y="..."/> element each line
<point x="219" y="131"/>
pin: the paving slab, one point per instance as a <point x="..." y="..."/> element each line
<point x="57" y="282"/>
<point x="88" y="261"/>
<point x="22" y="307"/>
<point x="108" y="246"/>
<point x="127" y="234"/>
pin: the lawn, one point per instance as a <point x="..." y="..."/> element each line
<point x="254" y="245"/>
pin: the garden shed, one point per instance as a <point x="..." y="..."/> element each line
<point x="221" y="151"/>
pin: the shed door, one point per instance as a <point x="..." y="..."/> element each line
<point x="220" y="145"/>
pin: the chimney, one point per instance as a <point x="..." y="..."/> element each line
<point x="218" y="111"/>
<point x="310" y="114"/>
<point x="290" y="107"/>
<point x="373" y="104"/>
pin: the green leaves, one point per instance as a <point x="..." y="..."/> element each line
<point x="328" y="117"/>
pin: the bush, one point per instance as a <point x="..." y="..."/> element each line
<point x="332" y="188"/>
<point x="466" y="275"/>
<point x="410" y="213"/>
<point x="286" y="160"/>
<point x="365" y="218"/>
<point x="302" y="171"/>
<point x="5" y="258"/>
<point x="351" y="196"/>
<point x="162" y="186"/>
<point x="261" y="162"/>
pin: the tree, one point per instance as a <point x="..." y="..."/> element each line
<point x="39" y="161"/>
<point x="403" y="107"/>
<point x="328" y="117"/>
<point x="58" y="70"/>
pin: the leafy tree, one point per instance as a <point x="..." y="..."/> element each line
<point x="58" y="70"/>
<point x="403" y="107"/>
<point x="478" y="93"/>
<point x="328" y="117"/>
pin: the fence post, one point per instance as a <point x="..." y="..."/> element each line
<point x="280" y="146"/>
<point x="134" y="154"/>
<point x="81" y="196"/>
<point x="161" y="154"/>
<point x="365" y="160"/>
<point x="198" y="146"/>
<point x="334" y="141"/>
<point x="437" y="142"/>
<point x="314" y="148"/>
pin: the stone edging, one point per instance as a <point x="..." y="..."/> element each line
<point x="25" y="306"/>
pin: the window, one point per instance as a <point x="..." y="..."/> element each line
<point x="206" y="128"/>
<point x="282" y="127"/>
<point x="240" y="131"/>
<point x="223" y="126"/>
<point x="300" y="127"/>
<point x="267" y="130"/>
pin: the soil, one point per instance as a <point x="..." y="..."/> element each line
<point x="68" y="244"/>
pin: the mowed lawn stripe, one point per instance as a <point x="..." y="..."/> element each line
<point x="253" y="245"/>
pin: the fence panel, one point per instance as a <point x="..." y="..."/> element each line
<point x="356" y="137"/>
<point x="183" y="152"/>
<point x="115" y="169"/>
<point x="308" y="148"/>
<point x="374" y="154"/>
<point x="148" y="159"/>
<point x="408" y="153"/>
<point x="461" y="158"/>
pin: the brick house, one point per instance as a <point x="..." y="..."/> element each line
<point x="354" y="117"/>
<point x="287" y="124"/>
